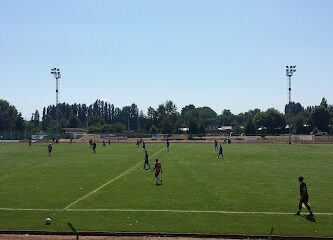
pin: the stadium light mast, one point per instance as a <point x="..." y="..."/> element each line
<point x="56" y="74"/>
<point x="289" y="72"/>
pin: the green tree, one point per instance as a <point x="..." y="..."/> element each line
<point x="235" y="127"/>
<point x="206" y="113"/>
<point x="275" y="121"/>
<point x="74" y="122"/>
<point x="119" y="128"/>
<point x="250" y="127"/>
<point x="193" y="126"/>
<point x="166" y="125"/>
<point x="294" y="109"/>
<point x="19" y="125"/>
<point x="193" y="121"/>
<point x="202" y="128"/>
<point x="8" y="115"/>
<point x="320" y="118"/>
<point x="96" y="121"/>
<point x="63" y="123"/>
<point x="36" y="118"/>
<point x="323" y="103"/>
<point x="153" y="130"/>
<point x="298" y="124"/>
<point x="259" y="121"/>
<point x="48" y="123"/>
<point x="226" y="117"/>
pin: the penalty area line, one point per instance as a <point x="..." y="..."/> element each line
<point x="107" y="183"/>
<point x="156" y="210"/>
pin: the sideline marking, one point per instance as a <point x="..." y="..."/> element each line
<point x="155" y="210"/>
<point x="112" y="180"/>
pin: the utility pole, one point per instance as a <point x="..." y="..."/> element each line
<point x="56" y="73"/>
<point x="289" y="72"/>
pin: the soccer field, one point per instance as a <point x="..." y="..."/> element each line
<point x="252" y="189"/>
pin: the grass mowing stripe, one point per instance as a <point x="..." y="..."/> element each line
<point x="153" y="210"/>
<point x="112" y="180"/>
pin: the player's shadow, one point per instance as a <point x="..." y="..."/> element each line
<point x="310" y="218"/>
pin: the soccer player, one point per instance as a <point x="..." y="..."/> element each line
<point x="50" y="149"/>
<point x="57" y="141"/>
<point x="158" y="169"/>
<point x="109" y="141"/>
<point x="29" y="143"/>
<point x="71" y="141"/>
<point x="143" y="145"/>
<point x="146" y="161"/>
<point x="104" y="143"/>
<point x="167" y="144"/>
<point x="215" y="141"/>
<point x="220" y="152"/>
<point x="91" y="142"/>
<point x="304" y="198"/>
<point x="225" y="140"/>
<point x="94" y="147"/>
<point x="137" y="143"/>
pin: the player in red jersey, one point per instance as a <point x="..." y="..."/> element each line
<point x="29" y="143"/>
<point x="158" y="168"/>
<point x="50" y="149"/>
<point x="91" y="142"/>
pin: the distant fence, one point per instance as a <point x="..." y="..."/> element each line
<point x="295" y="139"/>
<point x="13" y="136"/>
<point x="24" y="135"/>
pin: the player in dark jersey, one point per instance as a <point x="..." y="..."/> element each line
<point x="304" y="198"/>
<point x="104" y="143"/>
<point x="109" y="142"/>
<point x="215" y="143"/>
<point x="220" y="152"/>
<point x="143" y="145"/>
<point x="94" y="147"/>
<point x="29" y="143"/>
<point x="146" y="161"/>
<point x="158" y="169"/>
<point x="49" y="147"/>
<point x="167" y="144"/>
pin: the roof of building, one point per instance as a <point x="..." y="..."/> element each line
<point x="224" y="128"/>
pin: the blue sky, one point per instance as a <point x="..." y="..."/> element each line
<point x="221" y="54"/>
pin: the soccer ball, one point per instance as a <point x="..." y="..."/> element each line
<point x="47" y="221"/>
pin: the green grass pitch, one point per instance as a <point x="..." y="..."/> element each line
<point x="253" y="188"/>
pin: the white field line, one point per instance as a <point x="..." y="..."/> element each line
<point x="112" y="180"/>
<point x="155" y="210"/>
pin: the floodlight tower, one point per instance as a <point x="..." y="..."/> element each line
<point x="289" y="72"/>
<point x="56" y="73"/>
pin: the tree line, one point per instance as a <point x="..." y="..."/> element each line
<point x="104" y="117"/>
